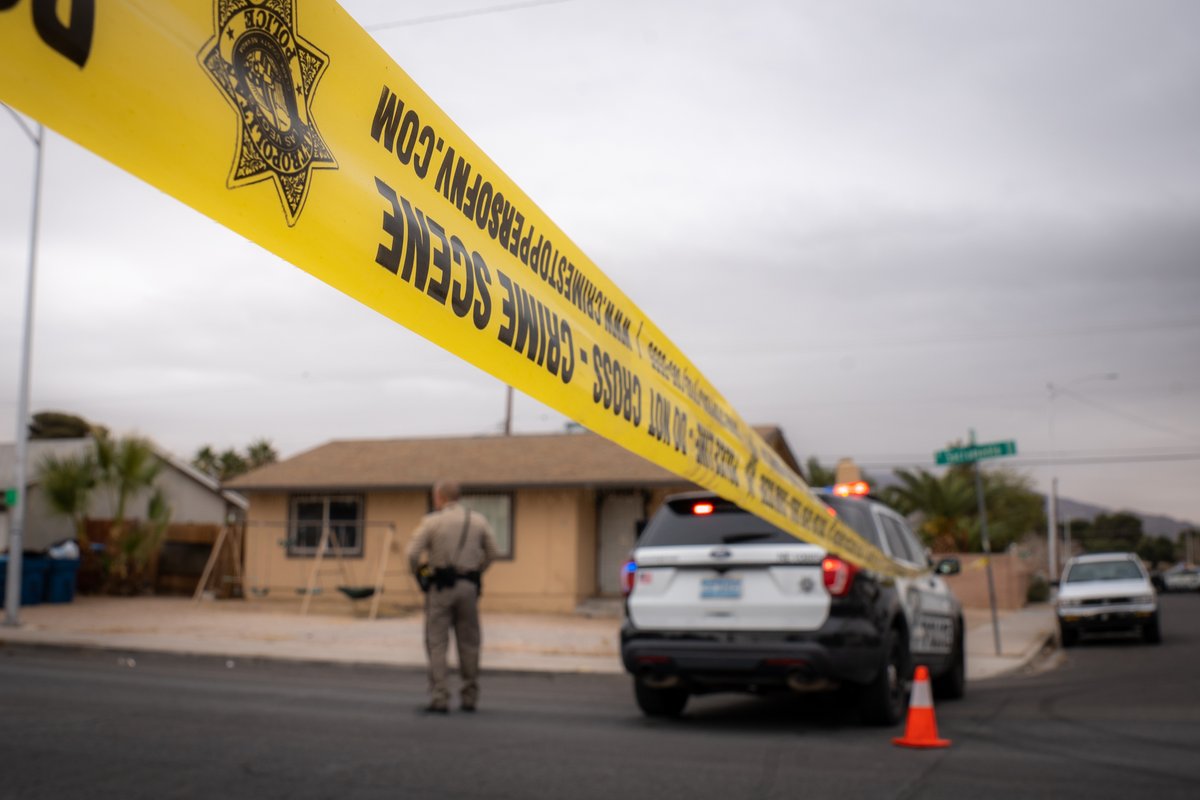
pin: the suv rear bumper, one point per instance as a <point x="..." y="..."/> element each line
<point x="843" y="650"/>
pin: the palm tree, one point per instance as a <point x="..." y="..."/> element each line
<point x="127" y="466"/>
<point x="67" y="484"/>
<point x="946" y="506"/>
<point x="124" y="468"/>
<point x="817" y="475"/>
<point x="229" y="465"/>
<point x="260" y="453"/>
<point x="205" y="460"/>
<point x="948" y="509"/>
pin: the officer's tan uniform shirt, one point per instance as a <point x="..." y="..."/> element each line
<point x="439" y="534"/>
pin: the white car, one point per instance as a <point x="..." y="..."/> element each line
<point x="1181" y="578"/>
<point x="1107" y="592"/>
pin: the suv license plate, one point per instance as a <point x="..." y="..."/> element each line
<point x="720" y="588"/>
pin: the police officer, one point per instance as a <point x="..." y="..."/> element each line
<point x="457" y="545"/>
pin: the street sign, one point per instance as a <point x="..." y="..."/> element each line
<point x="10" y="497"/>
<point x="976" y="452"/>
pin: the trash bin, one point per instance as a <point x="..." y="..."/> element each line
<point x="33" y="579"/>
<point x="60" y="579"/>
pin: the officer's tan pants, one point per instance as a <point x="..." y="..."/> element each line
<point x="458" y="608"/>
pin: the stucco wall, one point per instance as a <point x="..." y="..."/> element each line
<point x="552" y="567"/>
<point x="1010" y="576"/>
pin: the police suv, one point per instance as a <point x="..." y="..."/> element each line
<point x="720" y="600"/>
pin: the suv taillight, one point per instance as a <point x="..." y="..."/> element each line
<point x="838" y="575"/>
<point x="628" y="576"/>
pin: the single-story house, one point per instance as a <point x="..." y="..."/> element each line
<point x="565" y="509"/>
<point x="194" y="498"/>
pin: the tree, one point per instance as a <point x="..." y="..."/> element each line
<point x="1119" y="532"/>
<point x="229" y="463"/>
<point x="259" y="453"/>
<point x="124" y="469"/>
<point x="60" y="425"/>
<point x="1156" y="550"/>
<point x="67" y="483"/>
<point x="943" y="506"/>
<point x="816" y="475"/>
<point x="207" y="461"/>
<point x="947" y="510"/>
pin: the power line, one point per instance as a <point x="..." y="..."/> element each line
<point x="954" y="338"/>
<point x="452" y="15"/>
<point x="1037" y="461"/>
<point x="1116" y="412"/>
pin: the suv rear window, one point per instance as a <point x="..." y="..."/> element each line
<point x="676" y="524"/>
<point x="856" y="513"/>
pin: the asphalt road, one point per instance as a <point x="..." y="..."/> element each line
<point x="1115" y="719"/>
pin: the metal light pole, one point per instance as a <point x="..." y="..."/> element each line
<point x="508" y="405"/>
<point x="1052" y="495"/>
<point x="12" y="594"/>
<point x="987" y="548"/>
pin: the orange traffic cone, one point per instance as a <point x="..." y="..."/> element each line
<point x="921" y="728"/>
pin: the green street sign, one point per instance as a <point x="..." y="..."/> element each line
<point x="976" y="452"/>
<point x="10" y="497"/>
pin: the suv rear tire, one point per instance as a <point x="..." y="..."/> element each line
<point x="659" y="702"/>
<point x="952" y="684"/>
<point x="884" y="700"/>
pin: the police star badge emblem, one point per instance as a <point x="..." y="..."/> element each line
<point x="269" y="74"/>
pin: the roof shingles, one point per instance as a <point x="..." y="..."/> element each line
<point x="571" y="459"/>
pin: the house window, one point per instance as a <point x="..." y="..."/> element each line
<point x="497" y="509"/>
<point x="309" y="515"/>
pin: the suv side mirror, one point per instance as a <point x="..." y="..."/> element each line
<point x="948" y="566"/>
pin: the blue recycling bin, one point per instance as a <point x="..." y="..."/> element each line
<point x="34" y="570"/>
<point x="60" y="579"/>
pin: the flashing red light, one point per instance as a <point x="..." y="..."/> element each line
<point x="856" y="489"/>
<point x="702" y="509"/>
<point x="838" y="575"/>
<point x="832" y="511"/>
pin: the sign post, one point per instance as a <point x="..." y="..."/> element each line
<point x="973" y="454"/>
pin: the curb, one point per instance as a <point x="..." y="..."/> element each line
<point x="10" y="645"/>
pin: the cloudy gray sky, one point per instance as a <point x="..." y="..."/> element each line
<point x="876" y="224"/>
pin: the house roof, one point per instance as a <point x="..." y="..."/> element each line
<point x="38" y="449"/>
<point x="479" y="462"/>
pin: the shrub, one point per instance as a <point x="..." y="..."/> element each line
<point x="1038" y="591"/>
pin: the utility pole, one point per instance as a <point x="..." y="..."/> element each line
<point x="1067" y="551"/>
<point x="1052" y="529"/>
<point x="987" y="548"/>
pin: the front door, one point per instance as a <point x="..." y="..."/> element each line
<point x="616" y="531"/>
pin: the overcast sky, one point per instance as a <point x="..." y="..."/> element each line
<point x="875" y="224"/>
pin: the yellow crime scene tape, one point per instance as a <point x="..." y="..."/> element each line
<point x="284" y="121"/>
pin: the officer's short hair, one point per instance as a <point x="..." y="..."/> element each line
<point x="448" y="490"/>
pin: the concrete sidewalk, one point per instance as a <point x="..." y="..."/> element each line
<point x="236" y="629"/>
<point x="1024" y="634"/>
